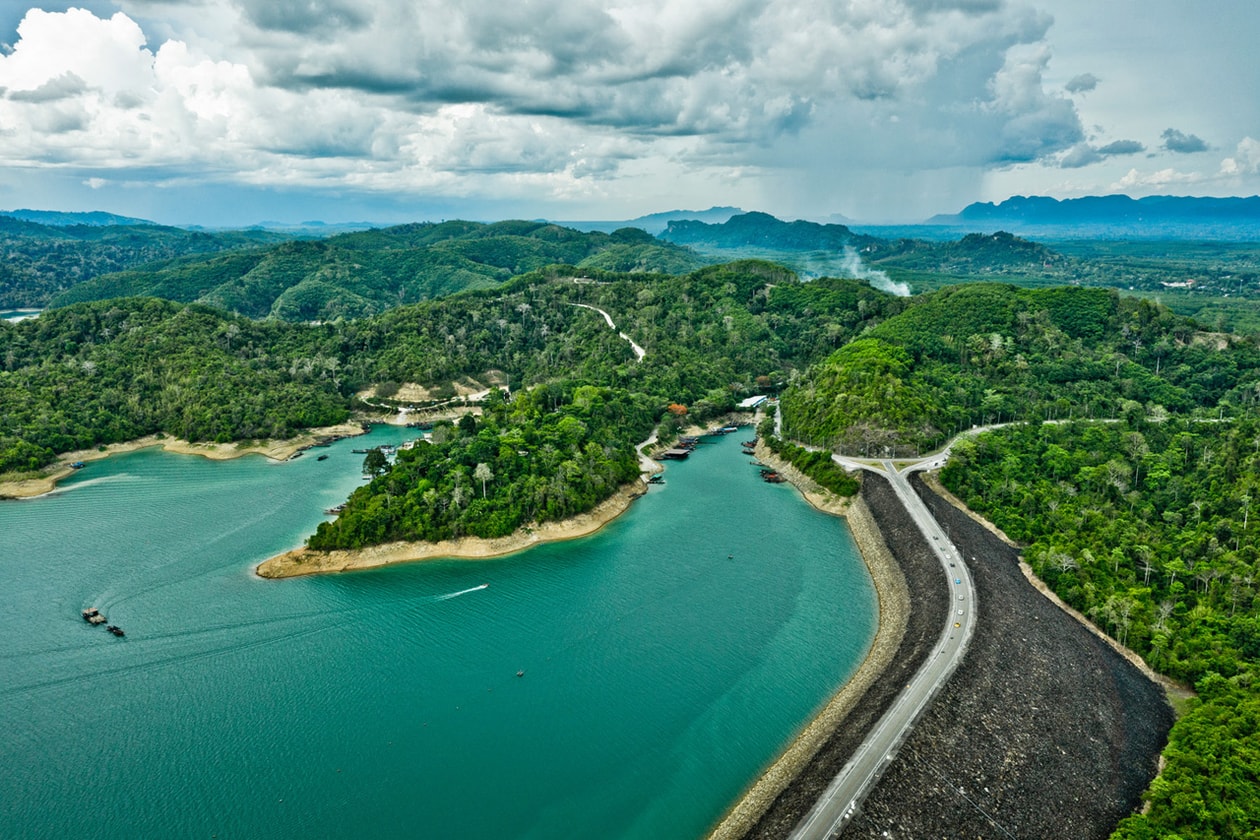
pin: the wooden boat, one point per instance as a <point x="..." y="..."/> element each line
<point x="116" y="630"/>
<point x="322" y="458"/>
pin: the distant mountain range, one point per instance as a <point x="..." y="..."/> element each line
<point x="356" y="274"/>
<point x="655" y="223"/>
<point x="1115" y="215"/>
<point x="56" y="218"/>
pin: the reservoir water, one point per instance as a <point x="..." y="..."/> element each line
<point x="15" y="315"/>
<point x="667" y="659"/>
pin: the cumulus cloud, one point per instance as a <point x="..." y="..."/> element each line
<point x="1246" y="159"/>
<point x="430" y="96"/>
<point x="1243" y="163"/>
<point x="1182" y="143"/>
<point x="1083" y="83"/>
<point x="1082" y="154"/>
<point x="1135" y="181"/>
<point x="1038" y="124"/>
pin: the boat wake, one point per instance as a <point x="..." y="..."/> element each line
<point x="92" y="482"/>
<point x="451" y="595"/>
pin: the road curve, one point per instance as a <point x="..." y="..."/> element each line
<point x="839" y="803"/>
<point x="639" y="352"/>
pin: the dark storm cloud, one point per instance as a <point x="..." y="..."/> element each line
<point x="540" y="94"/>
<point x="306" y="17"/>
<point x="1083" y="154"/>
<point x="1121" y="147"/>
<point x="1181" y="143"/>
<point x="1033" y="135"/>
<point x="970" y="7"/>
<point x="1083" y="83"/>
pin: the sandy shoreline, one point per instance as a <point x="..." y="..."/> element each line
<point x="303" y="561"/>
<point x="889" y="583"/>
<point x="894" y="612"/>
<point x="278" y="450"/>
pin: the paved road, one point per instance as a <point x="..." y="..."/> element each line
<point x="839" y="803"/>
<point x="639" y="352"/>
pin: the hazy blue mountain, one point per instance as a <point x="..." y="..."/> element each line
<point x="655" y="223"/>
<point x="56" y="218"/>
<point x="1116" y="215"/>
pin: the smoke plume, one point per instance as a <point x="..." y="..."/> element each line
<point x="853" y="266"/>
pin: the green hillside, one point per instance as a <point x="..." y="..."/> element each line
<point x="1145" y="521"/>
<point x="368" y="272"/>
<point x="984" y="353"/>
<point x="41" y="261"/>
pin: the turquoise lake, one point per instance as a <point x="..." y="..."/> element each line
<point x="667" y="659"/>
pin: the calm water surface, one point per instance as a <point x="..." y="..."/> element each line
<point x="15" y="315"/>
<point x="667" y="659"/>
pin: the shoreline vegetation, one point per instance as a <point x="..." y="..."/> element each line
<point x="42" y="482"/>
<point x="1176" y="692"/>
<point x="889" y="582"/>
<point x="305" y="561"/>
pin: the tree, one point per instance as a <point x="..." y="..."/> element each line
<point x="375" y="463"/>
<point x="483" y="474"/>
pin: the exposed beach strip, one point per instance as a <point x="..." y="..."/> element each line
<point x="304" y="561"/>
<point x="894" y="612"/>
<point x="277" y="450"/>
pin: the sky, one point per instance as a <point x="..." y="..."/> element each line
<point x="233" y="112"/>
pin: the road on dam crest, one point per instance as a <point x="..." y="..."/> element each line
<point x="839" y="803"/>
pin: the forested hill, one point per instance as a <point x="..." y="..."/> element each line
<point x="976" y="254"/>
<point x="58" y="218"/>
<point x="109" y="371"/>
<point x="39" y="261"/>
<point x="761" y="230"/>
<point x="984" y="353"/>
<point x="365" y="273"/>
